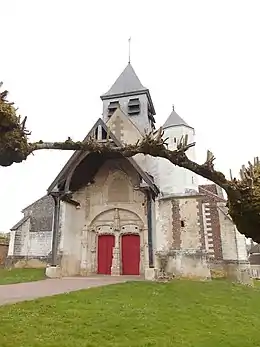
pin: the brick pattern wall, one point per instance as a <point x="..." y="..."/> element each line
<point x="208" y="236"/>
<point x="176" y="225"/>
<point x="211" y="221"/>
<point x="201" y="223"/>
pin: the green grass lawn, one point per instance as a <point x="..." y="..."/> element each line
<point x="8" y="276"/>
<point x="180" y="313"/>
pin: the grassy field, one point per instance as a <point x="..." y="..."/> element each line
<point x="20" y="275"/>
<point x="180" y="313"/>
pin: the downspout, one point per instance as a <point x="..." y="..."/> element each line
<point x="55" y="233"/>
<point x="150" y="231"/>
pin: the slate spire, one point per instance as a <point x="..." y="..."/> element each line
<point x="174" y="120"/>
<point x="127" y="82"/>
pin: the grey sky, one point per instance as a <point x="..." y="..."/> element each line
<point x="58" y="57"/>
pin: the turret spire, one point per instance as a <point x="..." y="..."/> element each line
<point x="174" y="120"/>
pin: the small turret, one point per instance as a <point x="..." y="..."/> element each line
<point x="175" y="120"/>
<point x="173" y="179"/>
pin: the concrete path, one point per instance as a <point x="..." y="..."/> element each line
<point x="12" y="293"/>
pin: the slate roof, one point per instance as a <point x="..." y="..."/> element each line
<point x="21" y="221"/>
<point x="126" y="83"/>
<point x="174" y="119"/>
<point x="31" y="205"/>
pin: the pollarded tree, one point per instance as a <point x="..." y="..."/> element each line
<point x="243" y="193"/>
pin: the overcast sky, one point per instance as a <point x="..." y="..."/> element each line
<point x="58" y="57"/>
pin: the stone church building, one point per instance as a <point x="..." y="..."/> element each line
<point x="114" y="215"/>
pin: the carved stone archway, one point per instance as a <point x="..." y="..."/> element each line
<point x="115" y="221"/>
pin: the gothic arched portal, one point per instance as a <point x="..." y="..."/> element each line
<point x="115" y="233"/>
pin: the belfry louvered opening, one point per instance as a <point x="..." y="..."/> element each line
<point x="134" y="107"/>
<point x="112" y="107"/>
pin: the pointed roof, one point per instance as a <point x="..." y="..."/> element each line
<point x="129" y="84"/>
<point x="126" y="83"/>
<point x="35" y="202"/>
<point x="21" y="222"/>
<point x="174" y="120"/>
<point x="78" y="154"/>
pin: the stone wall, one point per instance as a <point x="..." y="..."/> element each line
<point x="25" y="243"/>
<point x="32" y="237"/>
<point x="32" y="244"/>
<point x="190" y="224"/>
<point x="39" y="244"/>
<point x="211" y="221"/>
<point x="126" y="131"/>
<point x="223" y="241"/>
<point x="233" y="243"/>
<point x="21" y="239"/>
<point x="178" y="223"/>
<point x="180" y="232"/>
<point x="141" y="120"/>
<point x="115" y="188"/>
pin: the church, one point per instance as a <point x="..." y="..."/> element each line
<point x="115" y="215"/>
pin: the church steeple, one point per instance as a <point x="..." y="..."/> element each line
<point x="175" y="120"/>
<point x="127" y="83"/>
<point x="133" y="98"/>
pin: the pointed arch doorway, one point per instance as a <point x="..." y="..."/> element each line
<point x="106" y="243"/>
<point x="130" y="248"/>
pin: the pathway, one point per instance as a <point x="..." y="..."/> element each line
<point x="12" y="293"/>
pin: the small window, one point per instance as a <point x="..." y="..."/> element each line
<point x="134" y="107"/>
<point x="175" y="140"/>
<point x="112" y="107"/>
<point x="192" y="179"/>
<point x="182" y="224"/>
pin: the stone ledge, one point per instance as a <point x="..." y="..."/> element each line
<point x="188" y="252"/>
<point x="236" y="262"/>
<point x="53" y="272"/>
<point x="187" y="263"/>
<point x="150" y="274"/>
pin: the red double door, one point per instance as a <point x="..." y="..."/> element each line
<point x="130" y="254"/>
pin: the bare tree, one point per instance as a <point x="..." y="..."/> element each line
<point x="243" y="193"/>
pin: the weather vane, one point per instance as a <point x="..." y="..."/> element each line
<point x="129" y="50"/>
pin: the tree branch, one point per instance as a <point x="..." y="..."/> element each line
<point x="149" y="145"/>
<point x="243" y="194"/>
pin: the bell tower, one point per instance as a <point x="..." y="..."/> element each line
<point x="133" y="98"/>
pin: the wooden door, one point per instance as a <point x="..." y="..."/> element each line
<point x="105" y="253"/>
<point x="130" y="247"/>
